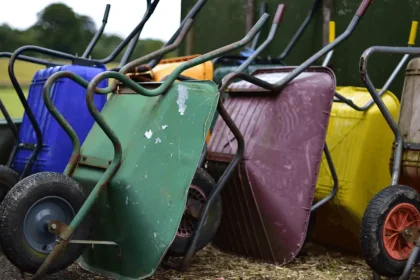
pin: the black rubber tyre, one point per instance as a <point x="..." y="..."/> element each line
<point x="371" y="232"/>
<point x="17" y="204"/>
<point x="205" y="183"/>
<point x="8" y="178"/>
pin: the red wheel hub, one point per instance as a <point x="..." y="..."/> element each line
<point x="401" y="216"/>
<point x="195" y="203"/>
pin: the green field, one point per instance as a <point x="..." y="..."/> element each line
<point x="24" y="73"/>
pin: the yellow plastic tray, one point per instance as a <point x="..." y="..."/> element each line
<point x="202" y="71"/>
<point x="360" y="144"/>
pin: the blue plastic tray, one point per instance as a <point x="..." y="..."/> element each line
<point x="70" y="99"/>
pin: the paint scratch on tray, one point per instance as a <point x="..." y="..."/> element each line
<point x="182" y="99"/>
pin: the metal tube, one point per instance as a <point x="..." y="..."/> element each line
<point x="30" y="59"/>
<point x="46" y="94"/>
<point x="263" y="9"/>
<point x="381" y="105"/>
<point x="276" y="21"/>
<point x="335" y="179"/>
<point x="300" y="30"/>
<point x="191" y="15"/>
<point x="134" y="41"/>
<point x="98" y="33"/>
<point x="220" y="183"/>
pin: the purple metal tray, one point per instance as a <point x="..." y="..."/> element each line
<point x="267" y="201"/>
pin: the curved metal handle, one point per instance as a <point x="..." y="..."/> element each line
<point x="276" y="20"/>
<point x="132" y="66"/>
<point x="381" y="105"/>
<point x="298" y="34"/>
<point x="279" y="14"/>
<point x="132" y="45"/>
<point x="191" y="15"/>
<point x="363" y="7"/>
<point x="98" y="33"/>
<point x="46" y="94"/>
<point x="106" y="14"/>
<point x="349" y="30"/>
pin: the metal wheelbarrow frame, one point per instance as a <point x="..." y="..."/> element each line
<point x="9" y="176"/>
<point x="341" y="219"/>
<point x="276" y="254"/>
<point x="395" y="197"/>
<point x="64" y="232"/>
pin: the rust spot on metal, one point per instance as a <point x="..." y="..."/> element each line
<point x="412" y="234"/>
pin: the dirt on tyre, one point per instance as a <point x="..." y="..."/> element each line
<point x="383" y="246"/>
<point x="26" y="211"/>
<point x="8" y="178"/>
<point x="200" y="189"/>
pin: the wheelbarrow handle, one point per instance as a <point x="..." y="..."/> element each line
<point x="46" y="94"/>
<point x="191" y="15"/>
<point x="340" y="39"/>
<point x="98" y="33"/>
<point x="299" y="32"/>
<point x="135" y="63"/>
<point x="381" y="105"/>
<point x="363" y="7"/>
<point x="279" y="14"/>
<point x="276" y="20"/>
<point x="133" y="43"/>
<point x="106" y="14"/>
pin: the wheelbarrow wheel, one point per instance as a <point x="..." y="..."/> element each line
<point x="384" y="248"/>
<point x="26" y="211"/>
<point x="200" y="189"/>
<point x="8" y="178"/>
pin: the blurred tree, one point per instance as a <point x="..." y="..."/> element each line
<point x="60" y="28"/>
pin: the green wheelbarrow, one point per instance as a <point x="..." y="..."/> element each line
<point x="125" y="193"/>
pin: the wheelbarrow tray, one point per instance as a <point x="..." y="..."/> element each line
<point x="69" y="98"/>
<point x="267" y="201"/>
<point x="141" y="207"/>
<point x="360" y="144"/>
<point x="203" y="71"/>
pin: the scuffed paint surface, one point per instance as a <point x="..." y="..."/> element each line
<point x="182" y="99"/>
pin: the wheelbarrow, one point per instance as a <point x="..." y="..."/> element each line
<point x="40" y="144"/>
<point x="359" y="142"/>
<point x="128" y="232"/>
<point x="390" y="227"/>
<point x="229" y="62"/>
<point x="283" y="113"/>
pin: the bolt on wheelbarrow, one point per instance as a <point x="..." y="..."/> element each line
<point x="40" y="144"/>
<point x="229" y="62"/>
<point x="359" y="139"/>
<point x="135" y="203"/>
<point x="390" y="227"/>
<point x="283" y="113"/>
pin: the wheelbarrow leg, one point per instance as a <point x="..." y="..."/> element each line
<point x="14" y="129"/>
<point x="376" y="276"/>
<point x="410" y="263"/>
<point x="220" y="184"/>
<point x="335" y="179"/>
